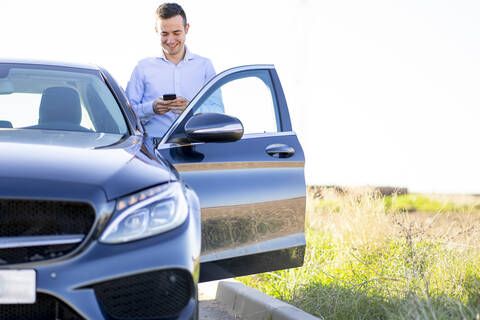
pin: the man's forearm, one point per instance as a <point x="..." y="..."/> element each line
<point x="144" y="110"/>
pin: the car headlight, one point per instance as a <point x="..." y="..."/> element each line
<point x="147" y="213"/>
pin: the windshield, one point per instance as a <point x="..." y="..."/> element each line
<point x="40" y="97"/>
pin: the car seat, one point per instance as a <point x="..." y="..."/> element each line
<point x="5" y="124"/>
<point x="60" y="110"/>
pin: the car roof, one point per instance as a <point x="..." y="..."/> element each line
<point x="49" y="63"/>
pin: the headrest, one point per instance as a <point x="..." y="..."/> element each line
<point x="60" y="104"/>
<point x="5" y="124"/>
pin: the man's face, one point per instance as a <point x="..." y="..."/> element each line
<point x="172" y="33"/>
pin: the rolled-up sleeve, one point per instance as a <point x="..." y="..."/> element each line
<point x="135" y="90"/>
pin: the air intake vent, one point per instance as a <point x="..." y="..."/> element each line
<point x="152" y="295"/>
<point x="46" y="307"/>
<point x="31" y="218"/>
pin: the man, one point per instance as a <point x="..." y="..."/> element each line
<point x="175" y="71"/>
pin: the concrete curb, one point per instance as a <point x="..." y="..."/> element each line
<point x="251" y="304"/>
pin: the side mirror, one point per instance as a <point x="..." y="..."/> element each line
<point x="213" y="127"/>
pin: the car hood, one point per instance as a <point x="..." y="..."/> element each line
<point x="64" y="168"/>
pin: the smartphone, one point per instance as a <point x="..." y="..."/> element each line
<point x="170" y="96"/>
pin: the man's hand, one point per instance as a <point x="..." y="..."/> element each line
<point x="177" y="105"/>
<point x="160" y="106"/>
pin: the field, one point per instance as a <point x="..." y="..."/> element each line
<point x="370" y="256"/>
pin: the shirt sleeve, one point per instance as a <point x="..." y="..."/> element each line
<point x="214" y="102"/>
<point x="209" y="71"/>
<point x="135" y="92"/>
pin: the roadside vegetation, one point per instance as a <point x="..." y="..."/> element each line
<point x="393" y="257"/>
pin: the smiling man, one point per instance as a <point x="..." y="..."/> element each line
<point x="176" y="71"/>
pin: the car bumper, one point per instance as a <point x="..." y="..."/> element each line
<point x="103" y="280"/>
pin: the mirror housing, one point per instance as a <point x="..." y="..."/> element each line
<point x="213" y="127"/>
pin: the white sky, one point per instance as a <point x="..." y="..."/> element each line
<point x="380" y="92"/>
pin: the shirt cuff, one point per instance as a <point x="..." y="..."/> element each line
<point x="147" y="109"/>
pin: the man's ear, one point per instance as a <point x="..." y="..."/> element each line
<point x="157" y="26"/>
<point x="186" y="28"/>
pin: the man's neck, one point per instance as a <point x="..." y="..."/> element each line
<point x="177" y="57"/>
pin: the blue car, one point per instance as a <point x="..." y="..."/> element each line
<point x="100" y="220"/>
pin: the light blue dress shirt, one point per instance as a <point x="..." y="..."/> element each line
<point x="156" y="76"/>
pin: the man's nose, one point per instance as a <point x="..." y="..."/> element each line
<point x="170" y="39"/>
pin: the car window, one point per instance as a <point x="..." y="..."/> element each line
<point x="55" y="98"/>
<point x="247" y="95"/>
<point x="21" y="110"/>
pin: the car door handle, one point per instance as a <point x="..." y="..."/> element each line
<point x="280" y="150"/>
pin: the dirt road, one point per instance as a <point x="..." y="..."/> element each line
<point x="211" y="309"/>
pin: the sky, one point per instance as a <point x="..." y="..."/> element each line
<point x="380" y="92"/>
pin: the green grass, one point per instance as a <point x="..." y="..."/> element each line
<point x="418" y="202"/>
<point x="406" y="202"/>
<point x="366" y="260"/>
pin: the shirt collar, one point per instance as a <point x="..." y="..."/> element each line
<point x="188" y="55"/>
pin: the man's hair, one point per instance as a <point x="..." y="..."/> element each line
<point x="169" y="10"/>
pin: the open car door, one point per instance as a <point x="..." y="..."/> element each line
<point x="252" y="190"/>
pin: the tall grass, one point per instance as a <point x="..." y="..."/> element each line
<point x="366" y="259"/>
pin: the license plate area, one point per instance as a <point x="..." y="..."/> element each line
<point x="17" y="286"/>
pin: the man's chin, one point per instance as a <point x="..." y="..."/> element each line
<point x="172" y="52"/>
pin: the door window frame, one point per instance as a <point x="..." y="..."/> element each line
<point x="281" y="111"/>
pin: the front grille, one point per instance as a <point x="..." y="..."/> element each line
<point x="150" y="295"/>
<point x="46" y="307"/>
<point x="23" y="218"/>
<point x="33" y="218"/>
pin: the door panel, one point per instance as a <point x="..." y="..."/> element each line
<point x="252" y="192"/>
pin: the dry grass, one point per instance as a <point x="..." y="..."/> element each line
<point x="359" y="215"/>
<point x="356" y="217"/>
<point x="365" y="261"/>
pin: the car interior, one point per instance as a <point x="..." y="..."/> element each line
<point x="5" y="124"/>
<point x="60" y="110"/>
<point x="56" y="100"/>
